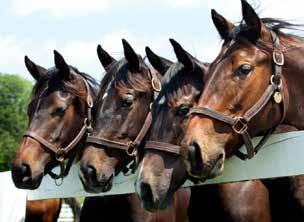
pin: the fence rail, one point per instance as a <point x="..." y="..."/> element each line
<point x="66" y="214"/>
<point x="283" y="155"/>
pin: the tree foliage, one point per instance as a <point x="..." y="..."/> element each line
<point x="14" y="96"/>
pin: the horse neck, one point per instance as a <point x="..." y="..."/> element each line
<point x="293" y="74"/>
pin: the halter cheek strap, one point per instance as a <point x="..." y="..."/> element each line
<point x="61" y="153"/>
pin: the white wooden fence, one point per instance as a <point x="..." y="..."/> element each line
<point x="66" y="214"/>
<point x="283" y="155"/>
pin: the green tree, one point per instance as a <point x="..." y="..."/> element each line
<point x="14" y="96"/>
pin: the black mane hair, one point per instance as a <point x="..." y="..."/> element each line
<point x="241" y="32"/>
<point x="53" y="75"/>
<point x="118" y="75"/>
<point x="175" y="77"/>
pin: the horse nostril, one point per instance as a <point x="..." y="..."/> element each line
<point x="220" y="156"/>
<point x="25" y="170"/>
<point x="90" y="171"/>
<point x="195" y="157"/>
<point x="146" y="192"/>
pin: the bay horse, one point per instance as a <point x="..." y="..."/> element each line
<point x="43" y="210"/>
<point x="254" y="84"/>
<point x="163" y="170"/>
<point x="48" y="210"/>
<point x="257" y="77"/>
<point x="121" y="114"/>
<point x="59" y="115"/>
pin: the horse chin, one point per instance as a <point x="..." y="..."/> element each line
<point x="158" y="205"/>
<point x="208" y="171"/>
<point x="97" y="187"/>
<point x="27" y="182"/>
<point x="217" y="170"/>
<point x="108" y="186"/>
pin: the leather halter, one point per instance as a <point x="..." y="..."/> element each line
<point x="240" y="124"/>
<point x="61" y="153"/>
<point x="131" y="146"/>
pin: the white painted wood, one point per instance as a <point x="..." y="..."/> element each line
<point x="283" y="155"/>
<point x="66" y="214"/>
<point x="12" y="200"/>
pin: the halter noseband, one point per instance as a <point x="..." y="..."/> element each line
<point x="131" y="146"/>
<point x="61" y="153"/>
<point x="240" y="124"/>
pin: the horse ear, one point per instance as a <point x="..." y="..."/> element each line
<point x="61" y="65"/>
<point x="252" y="20"/>
<point x="159" y="63"/>
<point x="222" y="25"/>
<point x="104" y="57"/>
<point x="35" y="70"/>
<point x="130" y="56"/>
<point x="182" y="55"/>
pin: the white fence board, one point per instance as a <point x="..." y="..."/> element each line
<point x="66" y="214"/>
<point x="283" y="155"/>
<point x="12" y="200"/>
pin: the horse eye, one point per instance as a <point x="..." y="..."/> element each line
<point x="244" y="69"/>
<point x="127" y="103"/>
<point x="59" y="111"/>
<point x="183" y="109"/>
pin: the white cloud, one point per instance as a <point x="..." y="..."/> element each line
<point x="182" y="3"/>
<point x="81" y="54"/>
<point x="58" y="7"/>
<point x="12" y="54"/>
<point x="231" y="8"/>
<point x="75" y="8"/>
<point x="293" y="9"/>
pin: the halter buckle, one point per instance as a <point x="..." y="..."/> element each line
<point x="278" y="58"/>
<point x="156" y="85"/>
<point x="60" y="155"/>
<point x="240" y="126"/>
<point x="88" y="125"/>
<point x="131" y="150"/>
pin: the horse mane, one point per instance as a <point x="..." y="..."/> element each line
<point x="278" y="25"/>
<point x="53" y="75"/>
<point x="174" y="78"/>
<point x="119" y="76"/>
<point x="274" y="24"/>
<point x="241" y="32"/>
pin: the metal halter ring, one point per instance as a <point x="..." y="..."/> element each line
<point x="87" y="123"/>
<point x="59" y="181"/>
<point x="156" y="85"/>
<point x="131" y="149"/>
<point x="240" y="126"/>
<point x="275" y="84"/>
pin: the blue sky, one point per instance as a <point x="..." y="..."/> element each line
<point x="75" y="27"/>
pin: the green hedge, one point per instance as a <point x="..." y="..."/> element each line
<point x="14" y="96"/>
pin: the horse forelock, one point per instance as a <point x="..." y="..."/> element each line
<point x="179" y="83"/>
<point x="52" y="80"/>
